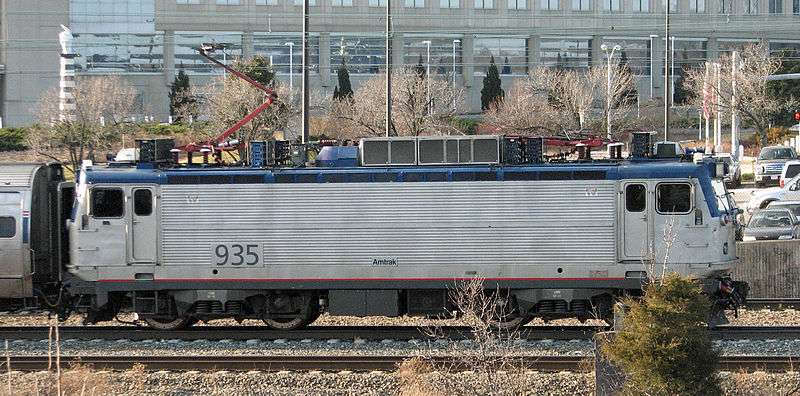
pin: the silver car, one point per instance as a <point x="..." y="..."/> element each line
<point x="772" y="224"/>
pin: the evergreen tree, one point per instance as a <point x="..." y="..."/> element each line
<point x="258" y="69"/>
<point x="681" y="94"/>
<point x="181" y="102"/>
<point x="336" y="94"/>
<point x="628" y="96"/>
<point x="345" y="89"/>
<point x="491" y="91"/>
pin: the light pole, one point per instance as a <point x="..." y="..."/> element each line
<point x="291" y="66"/>
<point x="672" y="72"/>
<point x="652" y="66"/>
<point x="456" y="41"/>
<point x="608" y="86"/>
<point x="428" y="73"/>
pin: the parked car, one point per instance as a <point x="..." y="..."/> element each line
<point x="793" y="206"/>
<point x="772" y="224"/>
<point x="790" y="170"/>
<point x="769" y="164"/>
<point x="733" y="176"/>
<point x="759" y="199"/>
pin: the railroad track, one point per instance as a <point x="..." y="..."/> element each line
<point x="773" y="303"/>
<point x="370" y="333"/>
<point x="351" y="363"/>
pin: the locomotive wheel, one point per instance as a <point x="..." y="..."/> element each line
<point x="507" y="316"/>
<point x="298" y="319"/>
<point x="170" y="324"/>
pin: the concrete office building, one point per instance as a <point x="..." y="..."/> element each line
<point x="147" y="41"/>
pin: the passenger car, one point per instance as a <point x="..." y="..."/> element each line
<point x="772" y="224"/>
<point x="761" y="198"/>
<point x="790" y="170"/>
<point x="769" y="164"/>
<point x="733" y="176"/>
<point x="793" y="206"/>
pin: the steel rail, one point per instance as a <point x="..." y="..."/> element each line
<point x="773" y="303"/>
<point x="356" y="363"/>
<point x="368" y="333"/>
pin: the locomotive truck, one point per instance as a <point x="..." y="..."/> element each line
<point x="384" y="228"/>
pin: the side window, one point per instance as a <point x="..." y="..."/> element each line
<point x="107" y="202"/>
<point x="143" y="202"/>
<point x="8" y="227"/>
<point x="674" y="198"/>
<point x="635" y="197"/>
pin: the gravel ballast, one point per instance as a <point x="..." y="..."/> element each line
<point x="756" y="317"/>
<point x="317" y="383"/>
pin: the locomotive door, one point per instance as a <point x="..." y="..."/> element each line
<point x="144" y="231"/>
<point x="636" y="220"/>
<point x="11" y="258"/>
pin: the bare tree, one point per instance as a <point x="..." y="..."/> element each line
<point x="555" y="101"/>
<point x="227" y="100"/>
<point x="103" y="105"/>
<point x="754" y="102"/>
<point x="412" y="113"/>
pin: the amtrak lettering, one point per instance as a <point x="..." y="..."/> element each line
<point x="384" y="262"/>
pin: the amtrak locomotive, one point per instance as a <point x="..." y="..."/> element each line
<point x="384" y="228"/>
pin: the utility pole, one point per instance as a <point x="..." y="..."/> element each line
<point x="388" y="67"/>
<point x="291" y="66"/>
<point x="666" y="70"/>
<point x="305" y="72"/>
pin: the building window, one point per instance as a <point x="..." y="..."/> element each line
<point x="611" y="5"/>
<point x="266" y="2"/>
<point x="300" y="3"/>
<point x="377" y="3"/>
<point x="484" y="4"/>
<point x="341" y="3"/>
<point x="776" y="6"/>
<point x="522" y="4"/>
<point x="188" y="1"/>
<point x="725" y="6"/>
<point x="751" y="7"/>
<point x="565" y="53"/>
<point x="107" y="202"/>
<point x="641" y="5"/>
<point x="414" y="3"/>
<point x="673" y="6"/>
<point x="549" y="5"/>
<point x="581" y="5"/>
<point x="697" y="6"/>
<point x="674" y="198"/>
<point x="448" y="3"/>
<point x="360" y="54"/>
<point x="796" y="7"/>
<point x="228" y="2"/>
<point x="509" y="55"/>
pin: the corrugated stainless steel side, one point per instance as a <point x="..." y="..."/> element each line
<point x="17" y="175"/>
<point x="419" y="224"/>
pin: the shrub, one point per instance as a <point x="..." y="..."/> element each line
<point x="664" y="347"/>
<point x="777" y="135"/>
<point x="12" y="139"/>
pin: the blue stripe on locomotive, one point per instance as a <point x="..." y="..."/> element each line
<point x="567" y="171"/>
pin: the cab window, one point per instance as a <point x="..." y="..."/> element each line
<point x="143" y="202"/>
<point x="635" y="197"/>
<point x="674" y="198"/>
<point x="8" y="227"/>
<point x="107" y="202"/>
